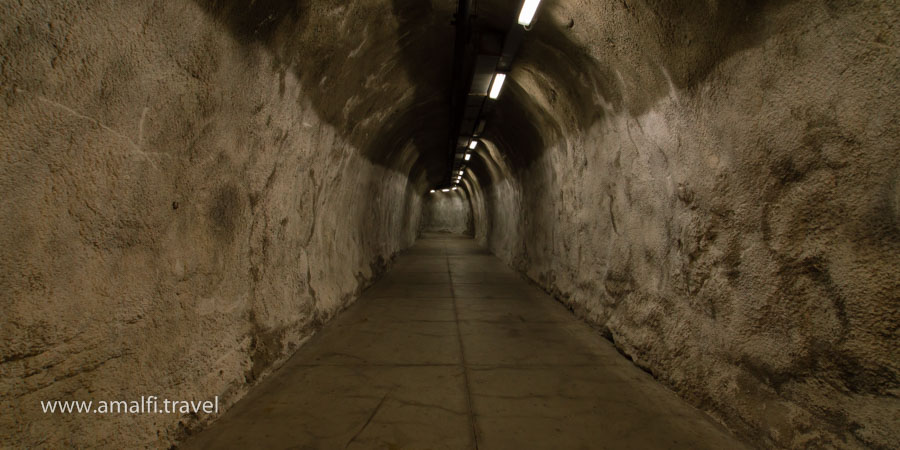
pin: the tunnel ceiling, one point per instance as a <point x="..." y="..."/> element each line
<point x="394" y="103"/>
<point x="381" y="72"/>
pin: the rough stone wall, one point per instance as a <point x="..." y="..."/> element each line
<point x="446" y="212"/>
<point x="496" y="201"/>
<point x="187" y="191"/>
<point x="716" y="185"/>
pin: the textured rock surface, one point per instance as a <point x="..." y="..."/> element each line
<point x="715" y="184"/>
<point x="447" y="212"/>
<point x="189" y="189"/>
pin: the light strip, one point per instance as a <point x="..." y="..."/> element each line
<point x="468" y="156"/>
<point x="497" y="85"/>
<point x="445" y="190"/>
<point x="527" y="14"/>
<point x="473" y="144"/>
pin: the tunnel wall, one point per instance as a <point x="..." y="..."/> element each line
<point x="181" y="206"/>
<point x="715" y="186"/>
<point x="446" y="212"/>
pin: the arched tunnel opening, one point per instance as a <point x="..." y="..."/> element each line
<point x="316" y="224"/>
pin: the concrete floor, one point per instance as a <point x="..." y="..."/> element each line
<point x="451" y="349"/>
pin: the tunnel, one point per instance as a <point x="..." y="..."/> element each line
<point x="450" y="224"/>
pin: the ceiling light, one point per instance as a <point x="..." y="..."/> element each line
<point x="473" y="144"/>
<point x="496" y="85"/>
<point x="455" y="188"/>
<point x="445" y="190"/>
<point x="432" y="191"/>
<point x="468" y="156"/>
<point x="528" y="10"/>
<point x="460" y="173"/>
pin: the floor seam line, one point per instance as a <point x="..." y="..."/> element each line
<point x="462" y="357"/>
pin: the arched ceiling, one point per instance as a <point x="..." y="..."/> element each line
<point x="380" y="71"/>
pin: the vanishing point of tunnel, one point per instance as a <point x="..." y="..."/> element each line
<point x="450" y="224"/>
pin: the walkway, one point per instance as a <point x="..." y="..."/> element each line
<point x="451" y="349"/>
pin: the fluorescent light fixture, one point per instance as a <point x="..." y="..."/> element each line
<point x="445" y="190"/>
<point x="473" y="144"/>
<point x="468" y="156"/>
<point x="432" y="191"/>
<point x="460" y="173"/>
<point x="528" y="10"/>
<point x="496" y="85"/>
<point x="455" y="188"/>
